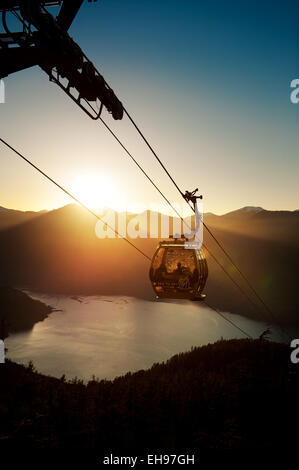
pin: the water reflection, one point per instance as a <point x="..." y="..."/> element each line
<point x="109" y="336"/>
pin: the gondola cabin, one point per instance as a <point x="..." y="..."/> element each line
<point x="177" y="272"/>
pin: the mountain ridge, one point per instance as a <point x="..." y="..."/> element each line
<point x="253" y="209"/>
<point x="59" y="252"/>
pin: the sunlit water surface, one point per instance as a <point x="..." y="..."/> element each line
<point x="109" y="336"/>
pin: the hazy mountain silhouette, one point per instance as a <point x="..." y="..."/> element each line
<point x="58" y="251"/>
<point x="260" y="223"/>
<point x="10" y="217"/>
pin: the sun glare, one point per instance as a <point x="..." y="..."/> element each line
<point x="97" y="192"/>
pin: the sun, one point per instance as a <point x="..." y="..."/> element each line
<point x="97" y="192"/>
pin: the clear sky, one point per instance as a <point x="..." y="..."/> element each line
<point x="208" y="82"/>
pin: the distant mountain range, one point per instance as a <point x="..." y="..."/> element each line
<point x="11" y="217"/>
<point x="58" y="251"/>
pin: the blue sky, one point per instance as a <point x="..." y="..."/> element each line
<point x="208" y="82"/>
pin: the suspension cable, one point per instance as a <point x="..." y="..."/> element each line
<point x="165" y="198"/>
<point x="179" y="190"/>
<point x="97" y="216"/>
<point x="184" y="222"/>
<point x="182" y="194"/>
<point x="176" y="211"/>
<point x="73" y="197"/>
<point x="229" y="321"/>
<point x="153" y="151"/>
<point x="204" y="224"/>
<point x="181" y="218"/>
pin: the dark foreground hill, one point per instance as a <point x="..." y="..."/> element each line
<point x="237" y="394"/>
<point x="18" y="311"/>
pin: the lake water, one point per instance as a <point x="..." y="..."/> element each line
<point x="109" y="336"/>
